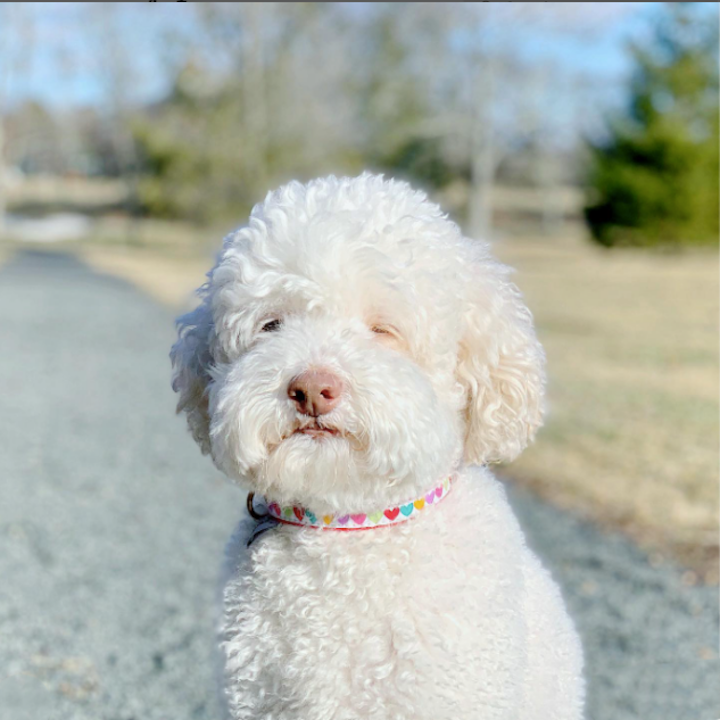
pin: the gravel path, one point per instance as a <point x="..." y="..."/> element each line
<point x="112" y="527"/>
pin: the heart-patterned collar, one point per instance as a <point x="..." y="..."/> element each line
<point x="304" y="517"/>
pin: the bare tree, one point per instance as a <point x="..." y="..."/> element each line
<point x="271" y="91"/>
<point x="115" y="70"/>
<point x="483" y="149"/>
<point x="15" y="47"/>
<point x="487" y="99"/>
<point x="253" y="18"/>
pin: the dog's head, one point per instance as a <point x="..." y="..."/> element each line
<point x="351" y="347"/>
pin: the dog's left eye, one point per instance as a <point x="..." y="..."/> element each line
<point x="380" y="329"/>
<point x="271" y="325"/>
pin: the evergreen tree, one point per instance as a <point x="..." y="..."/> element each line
<point x="654" y="180"/>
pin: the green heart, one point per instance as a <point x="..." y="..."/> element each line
<point x="375" y="517"/>
<point x="287" y="512"/>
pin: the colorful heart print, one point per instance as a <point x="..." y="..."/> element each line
<point x="360" y="520"/>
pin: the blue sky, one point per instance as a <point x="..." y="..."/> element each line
<point x="68" y="41"/>
<point x="60" y="61"/>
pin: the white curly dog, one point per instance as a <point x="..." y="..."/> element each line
<point x="357" y="362"/>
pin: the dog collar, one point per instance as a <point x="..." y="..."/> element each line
<point x="304" y="517"/>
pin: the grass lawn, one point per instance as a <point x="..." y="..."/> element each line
<point x="631" y="436"/>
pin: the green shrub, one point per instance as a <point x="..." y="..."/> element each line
<point x="654" y="180"/>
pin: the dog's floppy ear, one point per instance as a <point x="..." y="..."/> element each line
<point x="191" y="359"/>
<point x="500" y="365"/>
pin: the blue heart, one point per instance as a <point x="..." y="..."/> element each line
<point x="406" y="509"/>
<point x="312" y="517"/>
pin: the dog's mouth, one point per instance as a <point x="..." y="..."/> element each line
<point x="317" y="431"/>
<point x="313" y="430"/>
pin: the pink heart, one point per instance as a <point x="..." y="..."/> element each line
<point x="358" y="519"/>
<point x="438" y="491"/>
<point x="343" y="520"/>
<point x="430" y="497"/>
<point x="274" y="508"/>
<point x="299" y="512"/>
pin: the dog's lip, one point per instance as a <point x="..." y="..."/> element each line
<point x="317" y="431"/>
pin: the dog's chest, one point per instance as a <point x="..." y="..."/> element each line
<point x="399" y="618"/>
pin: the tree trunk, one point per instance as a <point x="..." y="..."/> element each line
<point x="483" y="152"/>
<point x="254" y="95"/>
<point x="3" y="201"/>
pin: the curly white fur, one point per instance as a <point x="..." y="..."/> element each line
<point x="445" y="616"/>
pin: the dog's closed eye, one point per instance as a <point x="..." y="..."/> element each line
<point x="380" y="330"/>
<point x="385" y="331"/>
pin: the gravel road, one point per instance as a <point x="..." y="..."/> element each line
<point x="112" y="527"/>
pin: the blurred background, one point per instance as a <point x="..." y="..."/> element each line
<point x="580" y="138"/>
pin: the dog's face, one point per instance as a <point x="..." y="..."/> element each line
<point x="351" y="347"/>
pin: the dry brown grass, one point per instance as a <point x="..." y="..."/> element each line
<point x="49" y="190"/>
<point x="170" y="279"/>
<point x="632" y="345"/>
